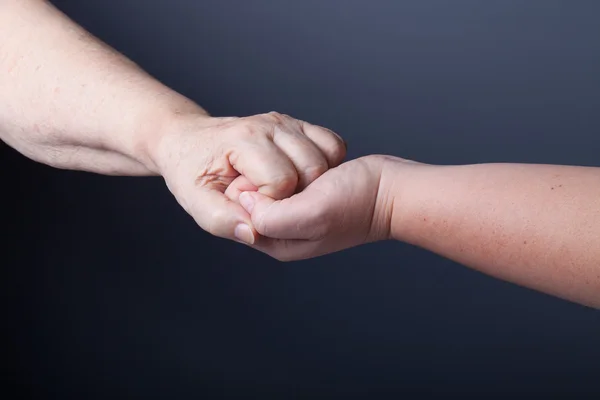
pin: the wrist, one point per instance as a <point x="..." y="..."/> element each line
<point x="384" y="171"/>
<point x="402" y="181"/>
<point x="156" y="129"/>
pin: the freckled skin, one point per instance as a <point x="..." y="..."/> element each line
<point x="72" y="102"/>
<point x="500" y="220"/>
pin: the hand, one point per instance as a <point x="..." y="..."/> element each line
<point x="347" y="206"/>
<point x="202" y="157"/>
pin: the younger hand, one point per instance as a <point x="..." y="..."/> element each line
<point x="346" y="206"/>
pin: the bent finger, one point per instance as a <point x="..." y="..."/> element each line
<point x="266" y="167"/>
<point x="309" y="161"/>
<point x="330" y="143"/>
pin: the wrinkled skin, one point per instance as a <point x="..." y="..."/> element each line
<point x="203" y="157"/>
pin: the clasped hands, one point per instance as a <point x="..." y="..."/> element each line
<point x="275" y="183"/>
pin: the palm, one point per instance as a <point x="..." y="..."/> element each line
<point x="334" y="212"/>
<point x="344" y="198"/>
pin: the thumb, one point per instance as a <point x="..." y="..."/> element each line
<point x="221" y="217"/>
<point x="297" y="217"/>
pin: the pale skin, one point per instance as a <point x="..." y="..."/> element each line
<point x="275" y="182"/>
<point x="72" y="102"/>
<point x="534" y="225"/>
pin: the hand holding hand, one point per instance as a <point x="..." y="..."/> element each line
<point x="202" y="157"/>
<point x="346" y="206"/>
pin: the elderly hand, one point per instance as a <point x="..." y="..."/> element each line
<point x="202" y="157"/>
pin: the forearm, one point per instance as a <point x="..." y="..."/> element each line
<point x="534" y="225"/>
<point x="72" y="102"/>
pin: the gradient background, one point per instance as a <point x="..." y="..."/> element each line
<point x="112" y="291"/>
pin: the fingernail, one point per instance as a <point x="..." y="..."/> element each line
<point x="244" y="234"/>
<point x="247" y="202"/>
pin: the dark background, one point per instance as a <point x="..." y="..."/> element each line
<point x="112" y="291"/>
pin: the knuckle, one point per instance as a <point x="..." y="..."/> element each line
<point x="316" y="171"/>
<point x="285" y="183"/>
<point x="275" y="116"/>
<point x="278" y="118"/>
<point x="338" y="149"/>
